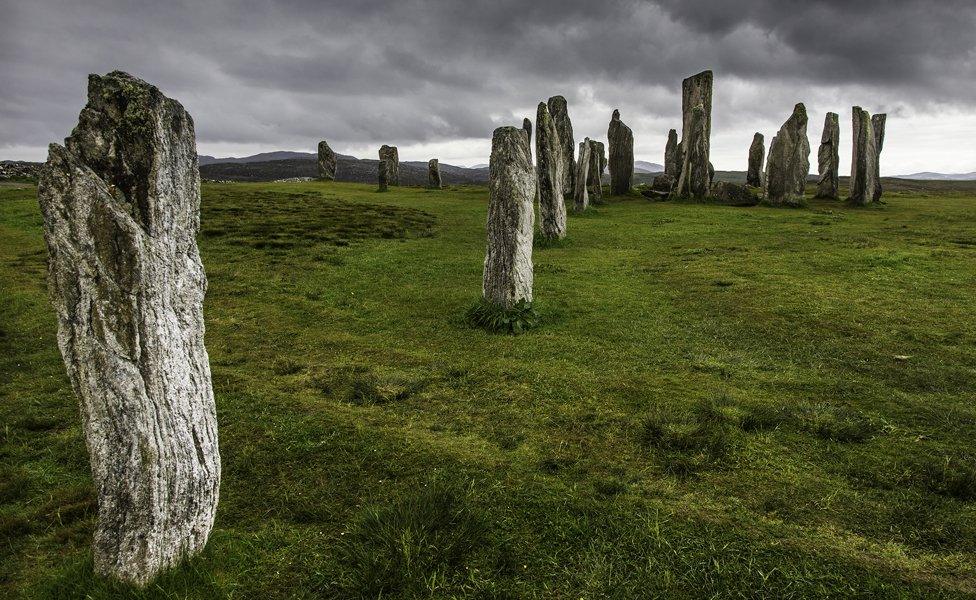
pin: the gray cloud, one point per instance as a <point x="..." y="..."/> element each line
<point x="435" y="73"/>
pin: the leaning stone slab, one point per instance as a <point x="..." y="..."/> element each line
<point x="511" y="187"/>
<point x="121" y="207"/>
<point x="621" y="149"/>
<point x="327" y="162"/>
<point x="392" y="157"/>
<point x="581" y="198"/>
<point x="788" y="163"/>
<point x="878" y="124"/>
<point x="864" y="157"/>
<point x="757" y="153"/>
<point x="549" y="161"/>
<point x="434" y="174"/>
<point x="564" y="129"/>
<point x="828" y="159"/>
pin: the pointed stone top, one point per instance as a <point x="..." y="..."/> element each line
<point x="616" y="115"/>
<point x="557" y="100"/>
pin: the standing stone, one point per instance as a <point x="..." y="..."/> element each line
<point x="564" y="129"/>
<point x="594" y="180"/>
<point x="383" y="175"/>
<point x="878" y="124"/>
<point x="511" y="220"/>
<point x="696" y="90"/>
<point x="327" y="162"/>
<point x="788" y="163"/>
<point x="757" y="153"/>
<point x="828" y="159"/>
<point x="527" y="127"/>
<point x="621" y="149"/>
<point x="433" y="174"/>
<point x="392" y="157"/>
<point x="672" y="156"/>
<point x="696" y="174"/>
<point x="581" y="199"/>
<point x="121" y="207"/>
<point x="552" y="208"/>
<point x="864" y="158"/>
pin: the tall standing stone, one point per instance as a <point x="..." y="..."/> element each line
<point x="788" y="163"/>
<point x="878" y="124"/>
<point x="757" y="153"/>
<point x="527" y="127"/>
<point x="828" y="159"/>
<point x="511" y="187"/>
<point x="434" y="174"/>
<point x="594" y="179"/>
<point x="383" y="175"/>
<point x="672" y="156"/>
<point x="581" y="199"/>
<point x="327" y="162"/>
<point x="392" y="158"/>
<point x="549" y="164"/>
<point x="864" y="158"/>
<point x="620" y="140"/>
<point x="121" y="207"/>
<point x="564" y="129"/>
<point x="696" y="174"/>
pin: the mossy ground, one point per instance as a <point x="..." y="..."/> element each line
<point x="718" y="402"/>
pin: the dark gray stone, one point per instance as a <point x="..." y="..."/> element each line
<point x="673" y="156"/>
<point x="383" y="174"/>
<point x="327" y="162"/>
<point x="732" y="194"/>
<point x="864" y="158"/>
<point x="878" y="124"/>
<point x="697" y="172"/>
<point x="828" y="159"/>
<point x="594" y="178"/>
<point x="757" y="153"/>
<point x="621" y="149"/>
<point x="564" y="129"/>
<point x="788" y="163"/>
<point x="392" y="157"/>
<point x="434" y="174"/>
<point x="548" y="150"/>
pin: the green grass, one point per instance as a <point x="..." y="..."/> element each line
<point x="716" y="403"/>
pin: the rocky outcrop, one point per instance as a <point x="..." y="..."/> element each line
<point x="434" y="174"/>
<point x="392" y="157"/>
<point x="757" y="153"/>
<point x="672" y="156"/>
<point x="696" y="173"/>
<point x="663" y="183"/>
<point x="864" y="158"/>
<point x="878" y="124"/>
<point x="732" y="194"/>
<point x="327" y="162"/>
<point x="511" y="187"/>
<point x="549" y="162"/>
<point x="788" y="163"/>
<point x="581" y="197"/>
<point x="121" y="208"/>
<point x="564" y="129"/>
<point x="594" y="178"/>
<point x="383" y="175"/>
<point x="828" y="159"/>
<point x="621" y="149"/>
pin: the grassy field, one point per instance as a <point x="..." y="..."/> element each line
<point x="720" y="402"/>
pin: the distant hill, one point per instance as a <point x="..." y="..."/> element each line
<point x="929" y="176"/>
<point x="348" y="168"/>
<point x="642" y="166"/>
<point x="262" y="157"/>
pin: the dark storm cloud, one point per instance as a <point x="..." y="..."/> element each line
<point x="285" y="74"/>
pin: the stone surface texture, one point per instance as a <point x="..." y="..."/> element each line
<point x="559" y="112"/>
<point x="696" y="173"/>
<point x="383" y="175"/>
<point x="549" y="162"/>
<point x="672" y="156"/>
<point x="327" y="162"/>
<point x="757" y="154"/>
<point x="878" y="125"/>
<point x="581" y="196"/>
<point x="788" y="163"/>
<point x="392" y="157"/>
<point x="828" y="159"/>
<point x="434" y="174"/>
<point x="594" y="179"/>
<point x="864" y="158"/>
<point x="620" y="140"/>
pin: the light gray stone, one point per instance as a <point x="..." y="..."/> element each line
<point x="696" y="173"/>
<point x="392" y="158"/>
<point x="788" y="163"/>
<point x="621" y="149"/>
<point x="564" y="129"/>
<point x="828" y="159"/>
<point x="757" y="153"/>
<point x="121" y="208"/>
<point x="550" y="164"/>
<point x="327" y="162"/>
<point x="864" y="158"/>
<point x="511" y="220"/>
<point x="581" y="197"/>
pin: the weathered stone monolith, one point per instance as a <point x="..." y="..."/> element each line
<point x="434" y="174"/>
<point x="549" y="163"/>
<point x="511" y="187"/>
<point x="878" y="124"/>
<point x="121" y="207"/>
<point x="581" y="197"/>
<point x="788" y="163"/>
<point x="828" y="159"/>
<point x="864" y="158"/>
<point x="527" y="127"/>
<point x="757" y="153"/>
<point x="696" y="90"/>
<point x="383" y="175"/>
<point x="392" y="158"/>
<point x="594" y="179"/>
<point x="327" y="162"/>
<point x="564" y="129"/>
<point x="696" y="173"/>
<point x="672" y="156"/>
<point x="620" y="140"/>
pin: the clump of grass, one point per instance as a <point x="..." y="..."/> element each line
<point x="491" y="317"/>
<point x="688" y="446"/>
<point x="836" y="423"/>
<point x="415" y="546"/>
<point x="362" y="385"/>
<point x="952" y="477"/>
<point x="765" y="417"/>
<point x="286" y="366"/>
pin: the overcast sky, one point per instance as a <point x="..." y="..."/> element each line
<point x="435" y="78"/>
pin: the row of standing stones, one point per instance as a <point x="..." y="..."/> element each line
<point x="121" y="205"/>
